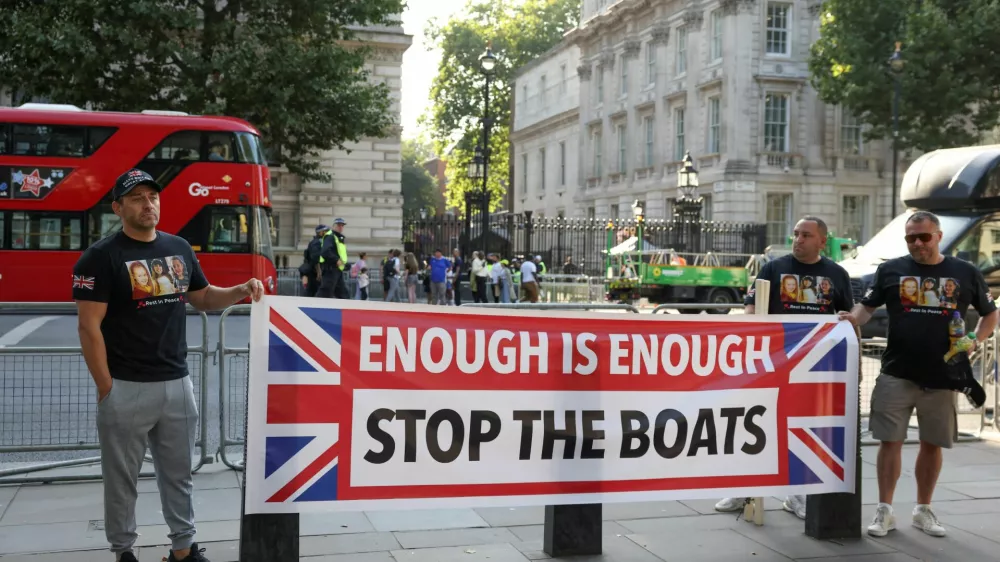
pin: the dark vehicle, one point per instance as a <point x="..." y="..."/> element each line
<point x="962" y="187"/>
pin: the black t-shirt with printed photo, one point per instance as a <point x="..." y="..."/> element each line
<point x="805" y="288"/>
<point x="921" y="300"/>
<point x="145" y="285"/>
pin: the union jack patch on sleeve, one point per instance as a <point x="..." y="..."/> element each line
<point x="81" y="282"/>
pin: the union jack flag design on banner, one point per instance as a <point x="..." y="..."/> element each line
<point x="330" y="381"/>
<point x="81" y="282"/>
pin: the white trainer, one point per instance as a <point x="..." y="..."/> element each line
<point x="883" y="522"/>
<point x="925" y="520"/>
<point x="796" y="505"/>
<point x="730" y="504"/>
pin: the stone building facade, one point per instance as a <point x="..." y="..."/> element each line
<point x="365" y="188"/>
<point x="727" y="81"/>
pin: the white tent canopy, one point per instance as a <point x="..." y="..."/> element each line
<point x="630" y="246"/>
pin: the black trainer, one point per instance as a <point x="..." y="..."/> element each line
<point x="196" y="555"/>
<point x="127" y="556"/>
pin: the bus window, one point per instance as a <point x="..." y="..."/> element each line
<point x="3" y="230"/>
<point x="102" y="222"/>
<point x="171" y="156"/>
<point x="264" y="233"/>
<point x="249" y="149"/>
<point x="45" y="231"/>
<point x="96" y="136"/>
<point x="49" y="140"/>
<point x="4" y="138"/>
<point x="220" y="147"/>
<point x="218" y="229"/>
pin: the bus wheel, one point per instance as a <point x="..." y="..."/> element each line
<point x="720" y="295"/>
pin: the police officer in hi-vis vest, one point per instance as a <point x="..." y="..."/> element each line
<point x="332" y="261"/>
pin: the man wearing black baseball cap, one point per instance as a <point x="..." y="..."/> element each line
<point x="132" y="325"/>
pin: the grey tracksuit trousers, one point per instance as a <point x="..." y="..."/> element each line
<point x="165" y="415"/>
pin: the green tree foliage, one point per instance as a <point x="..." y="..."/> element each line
<point x="420" y="190"/>
<point x="950" y="86"/>
<point x="519" y="32"/>
<point x="292" y="69"/>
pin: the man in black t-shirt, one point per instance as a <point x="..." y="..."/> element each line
<point x="131" y="289"/>
<point x="923" y="294"/>
<point x="803" y="282"/>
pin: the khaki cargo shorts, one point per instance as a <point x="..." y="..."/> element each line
<point x="893" y="401"/>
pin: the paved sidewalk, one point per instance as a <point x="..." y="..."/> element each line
<point x="63" y="523"/>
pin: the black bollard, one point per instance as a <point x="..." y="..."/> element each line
<point x="572" y="530"/>
<point x="268" y="536"/>
<point x="838" y="516"/>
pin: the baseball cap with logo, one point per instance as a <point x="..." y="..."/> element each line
<point x="130" y="180"/>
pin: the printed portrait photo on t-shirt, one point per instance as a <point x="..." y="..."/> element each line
<point x="948" y="293"/>
<point x="807" y="289"/>
<point x="161" y="277"/>
<point x="178" y="271"/>
<point x="909" y="291"/>
<point x="143" y="285"/>
<point x="824" y="290"/>
<point x="789" y="288"/>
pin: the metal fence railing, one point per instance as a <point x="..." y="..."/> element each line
<point x="49" y="404"/>
<point x="234" y="374"/>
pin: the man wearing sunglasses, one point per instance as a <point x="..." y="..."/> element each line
<point x="914" y="373"/>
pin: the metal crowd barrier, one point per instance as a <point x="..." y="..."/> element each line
<point x="556" y="306"/>
<point x="49" y="404"/>
<point x="234" y="374"/>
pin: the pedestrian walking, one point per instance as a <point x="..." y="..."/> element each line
<point x="804" y="265"/>
<point x="309" y="270"/>
<point x="333" y="260"/>
<point x="479" y="277"/>
<point x="392" y="272"/>
<point x="914" y="372"/>
<point x="457" y="268"/>
<point x="363" y="284"/>
<point x="529" y="285"/>
<point x="412" y="271"/>
<point x="135" y="347"/>
<point x="356" y="268"/>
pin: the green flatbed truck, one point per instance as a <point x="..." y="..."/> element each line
<point x="663" y="276"/>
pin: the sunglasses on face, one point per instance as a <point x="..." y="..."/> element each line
<point x="924" y="237"/>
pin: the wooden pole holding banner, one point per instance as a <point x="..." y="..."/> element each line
<point x="754" y="509"/>
<point x="838" y="516"/>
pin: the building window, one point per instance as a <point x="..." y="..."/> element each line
<point x="591" y="213"/>
<point x="600" y="86"/>
<point x="524" y="95"/>
<point x="851" y="141"/>
<point x="706" y="208"/>
<point x="562" y="79"/>
<point x="624" y="75"/>
<point x="541" y="170"/>
<point x="778" y="28"/>
<point x="668" y="208"/>
<point x="778" y="217"/>
<point x="650" y="126"/>
<point x="714" y="125"/>
<point x="854" y="218"/>
<point x="597" y="155"/>
<point x="682" y="50"/>
<point x="562" y="163"/>
<point x="613" y="211"/>
<point x="776" y="123"/>
<point x="541" y="90"/>
<point x="650" y="63"/>
<point x="524" y="173"/>
<point x="622" y="147"/>
<point x="715" y="48"/>
<point x="679" y="134"/>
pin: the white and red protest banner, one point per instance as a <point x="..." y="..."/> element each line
<point x="358" y="405"/>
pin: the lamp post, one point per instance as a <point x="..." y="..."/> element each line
<point x="689" y="203"/>
<point x="896" y="65"/>
<point x="637" y="214"/>
<point x="472" y="200"/>
<point x="487" y="62"/>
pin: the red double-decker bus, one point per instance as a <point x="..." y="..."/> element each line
<point x="58" y="164"/>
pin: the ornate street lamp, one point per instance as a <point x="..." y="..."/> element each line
<point x="896" y="65"/>
<point x="688" y="205"/>
<point x="687" y="178"/>
<point x="476" y="171"/>
<point x="487" y="62"/>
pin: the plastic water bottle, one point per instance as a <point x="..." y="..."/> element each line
<point x="959" y="342"/>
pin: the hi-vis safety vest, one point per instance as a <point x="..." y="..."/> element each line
<point x="341" y="250"/>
